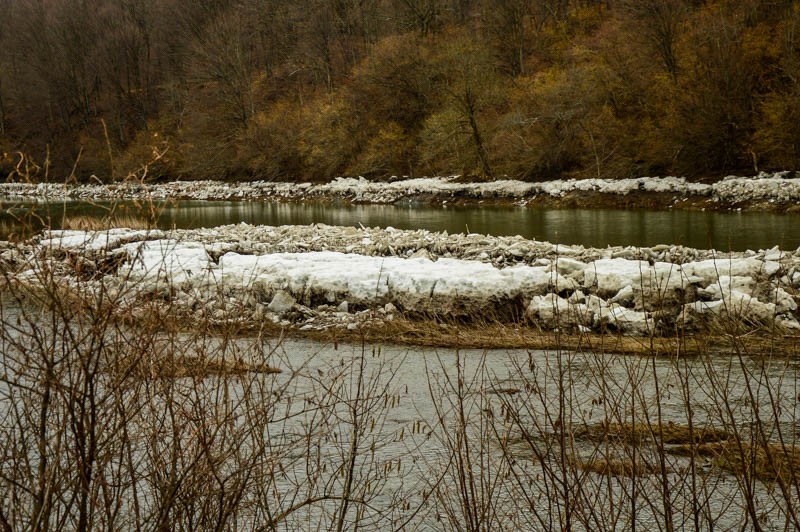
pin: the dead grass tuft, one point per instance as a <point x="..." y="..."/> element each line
<point x="9" y="231"/>
<point x="767" y="463"/>
<point x="91" y="223"/>
<point x="623" y="467"/>
<point x="668" y="434"/>
<point x="498" y="335"/>
<point x="492" y="335"/>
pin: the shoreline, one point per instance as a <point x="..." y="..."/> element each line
<point x="776" y="192"/>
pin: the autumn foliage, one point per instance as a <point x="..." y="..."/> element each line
<point x="312" y="89"/>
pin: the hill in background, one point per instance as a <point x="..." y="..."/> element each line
<point x="311" y="89"/>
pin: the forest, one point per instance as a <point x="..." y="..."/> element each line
<point x="307" y="90"/>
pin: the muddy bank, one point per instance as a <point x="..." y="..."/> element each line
<point x="779" y="192"/>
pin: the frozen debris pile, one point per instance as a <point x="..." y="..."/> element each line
<point x="775" y="188"/>
<point x="778" y="188"/>
<point x="322" y="276"/>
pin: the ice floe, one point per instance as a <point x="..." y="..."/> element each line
<point x="414" y="284"/>
<point x="323" y="276"/>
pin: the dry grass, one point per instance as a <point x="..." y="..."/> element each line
<point x="12" y="232"/>
<point x="767" y="463"/>
<point x="6" y="227"/>
<point x="668" y="434"/>
<point x="623" y="467"/>
<point x="495" y="335"/>
<point x="618" y="466"/>
<point x="723" y="449"/>
<point x="91" y="223"/>
<point x="490" y="335"/>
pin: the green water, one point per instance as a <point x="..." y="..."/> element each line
<point x="589" y="227"/>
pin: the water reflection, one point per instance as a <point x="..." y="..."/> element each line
<point x="590" y="227"/>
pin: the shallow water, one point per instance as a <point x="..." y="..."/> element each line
<point x="413" y="402"/>
<point x="549" y="389"/>
<point x="590" y="227"/>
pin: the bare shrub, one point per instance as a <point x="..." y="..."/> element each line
<point x="111" y="425"/>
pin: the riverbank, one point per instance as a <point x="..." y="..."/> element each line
<point x="419" y="286"/>
<point x="778" y="192"/>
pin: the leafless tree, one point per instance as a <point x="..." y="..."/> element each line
<point x="660" y="20"/>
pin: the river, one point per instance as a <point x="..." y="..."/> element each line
<point x="734" y="231"/>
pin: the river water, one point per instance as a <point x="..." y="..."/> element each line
<point x="421" y="410"/>
<point x="420" y="429"/>
<point x="735" y="231"/>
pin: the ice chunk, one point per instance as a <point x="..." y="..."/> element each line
<point x="710" y="270"/>
<point x="167" y="260"/>
<point x="552" y="311"/>
<point x="415" y="283"/>
<point x="281" y="302"/>
<point x="609" y="276"/>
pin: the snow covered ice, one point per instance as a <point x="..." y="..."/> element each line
<point x="415" y="284"/>
<point x="305" y="272"/>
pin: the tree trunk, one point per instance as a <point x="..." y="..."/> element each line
<point x="477" y="139"/>
<point x="2" y="112"/>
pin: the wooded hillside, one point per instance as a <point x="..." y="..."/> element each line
<point x="312" y="89"/>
